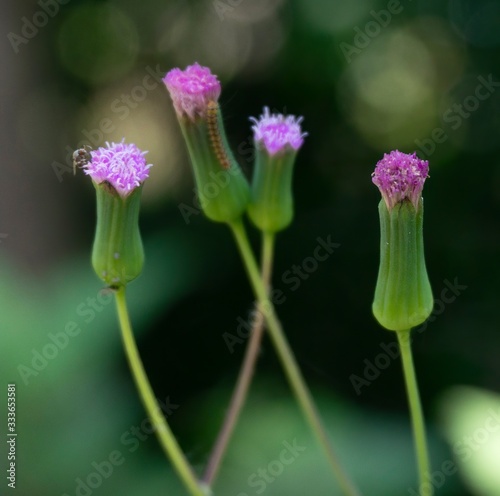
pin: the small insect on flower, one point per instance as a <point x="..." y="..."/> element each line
<point x="81" y="157"/>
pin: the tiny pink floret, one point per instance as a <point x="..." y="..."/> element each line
<point x="277" y="132"/>
<point x="400" y="176"/>
<point x="192" y="89"/>
<point x="121" y="164"/>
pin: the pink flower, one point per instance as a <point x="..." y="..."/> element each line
<point x="399" y="176"/>
<point x="121" y="164"/>
<point x="277" y="132"/>
<point x="192" y="89"/>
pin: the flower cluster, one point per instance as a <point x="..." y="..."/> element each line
<point x="400" y="176"/>
<point x="192" y="89"/>
<point x="121" y="164"/>
<point x="277" y="132"/>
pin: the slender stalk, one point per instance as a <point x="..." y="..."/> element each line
<point x="246" y="372"/>
<point x="268" y="239"/>
<point x="163" y="432"/>
<point x="417" y="417"/>
<point x="287" y="358"/>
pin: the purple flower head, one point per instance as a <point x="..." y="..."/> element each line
<point x="277" y="132"/>
<point x="399" y="176"/>
<point x="121" y="164"/>
<point x="192" y="89"/>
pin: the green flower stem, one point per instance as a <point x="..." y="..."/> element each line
<point x="246" y="372"/>
<point x="416" y="413"/>
<point x="268" y="239"/>
<point x="286" y="356"/>
<point x="163" y="432"/>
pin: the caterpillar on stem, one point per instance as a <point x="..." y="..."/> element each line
<point x="214" y="134"/>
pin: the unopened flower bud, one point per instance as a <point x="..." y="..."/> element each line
<point x="277" y="140"/>
<point x="403" y="295"/>
<point x="222" y="188"/>
<point x="118" y="172"/>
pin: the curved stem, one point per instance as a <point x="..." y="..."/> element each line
<point x="163" y="432"/>
<point x="246" y="372"/>
<point x="287" y="358"/>
<point x="417" y="417"/>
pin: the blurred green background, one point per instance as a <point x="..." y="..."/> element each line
<point x="368" y="77"/>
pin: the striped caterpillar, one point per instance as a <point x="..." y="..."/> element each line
<point x="215" y="135"/>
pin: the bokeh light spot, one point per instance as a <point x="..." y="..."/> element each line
<point x="471" y="420"/>
<point x="98" y="43"/>
<point x="388" y="91"/>
<point x="331" y="17"/>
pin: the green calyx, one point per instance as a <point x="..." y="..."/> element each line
<point x="222" y="188"/>
<point x="271" y="206"/>
<point x="117" y="254"/>
<point x="403" y="295"/>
